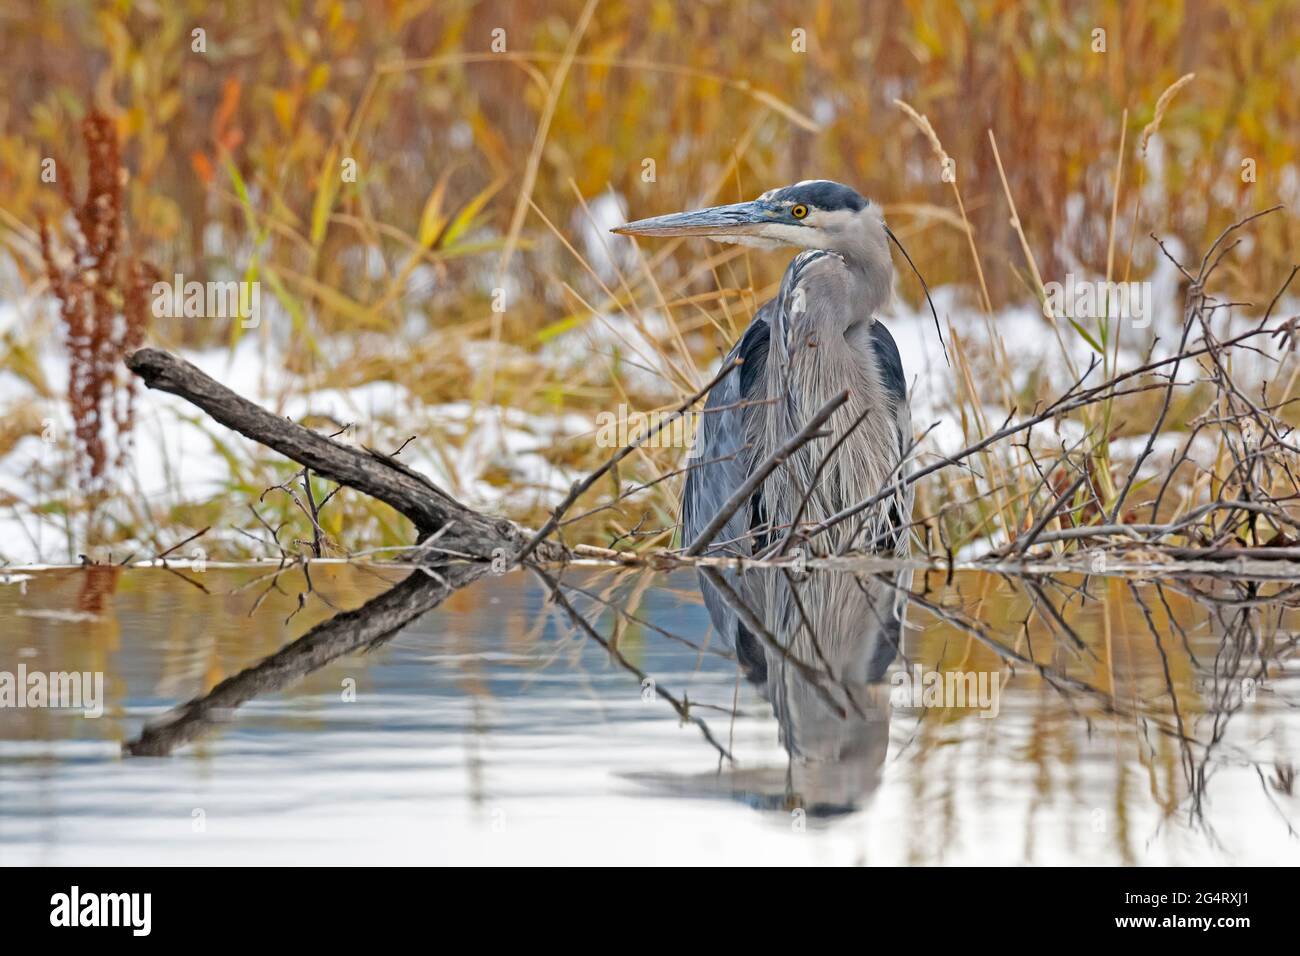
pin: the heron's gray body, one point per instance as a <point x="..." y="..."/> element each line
<point x="820" y="337"/>
<point x="794" y="361"/>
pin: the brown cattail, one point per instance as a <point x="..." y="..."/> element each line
<point x="103" y="302"/>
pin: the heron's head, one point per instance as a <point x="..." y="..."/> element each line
<point x="815" y="214"/>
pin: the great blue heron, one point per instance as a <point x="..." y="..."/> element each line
<point x="820" y="337"/>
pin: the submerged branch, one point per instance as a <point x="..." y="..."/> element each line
<point x="463" y="531"/>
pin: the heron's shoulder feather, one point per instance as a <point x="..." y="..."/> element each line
<point x="719" y="458"/>
<point x="752" y="348"/>
<point x="889" y="363"/>
<point x="817" y="275"/>
<point x="812" y="262"/>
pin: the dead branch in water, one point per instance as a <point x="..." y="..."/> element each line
<point x="459" y="531"/>
<point x="682" y="707"/>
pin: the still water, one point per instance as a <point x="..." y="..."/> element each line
<point x="1090" y="721"/>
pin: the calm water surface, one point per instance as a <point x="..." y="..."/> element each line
<point x="1134" y="724"/>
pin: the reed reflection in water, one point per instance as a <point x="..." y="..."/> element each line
<point x="599" y="716"/>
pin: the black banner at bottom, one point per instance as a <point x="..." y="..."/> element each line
<point x="236" y="904"/>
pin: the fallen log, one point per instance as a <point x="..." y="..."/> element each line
<point x="446" y="527"/>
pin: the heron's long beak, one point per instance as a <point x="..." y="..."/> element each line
<point x="738" y="219"/>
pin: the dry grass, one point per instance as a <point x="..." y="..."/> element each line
<point x="477" y="170"/>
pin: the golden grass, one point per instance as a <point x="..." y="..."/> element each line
<point x="478" y="169"/>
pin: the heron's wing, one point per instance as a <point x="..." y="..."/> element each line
<point x="890" y="366"/>
<point x="719" y="461"/>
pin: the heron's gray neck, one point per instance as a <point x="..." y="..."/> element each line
<point x="821" y="347"/>
<point x="861" y="241"/>
<point x="832" y="293"/>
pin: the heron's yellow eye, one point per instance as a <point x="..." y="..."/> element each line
<point x="799" y="211"/>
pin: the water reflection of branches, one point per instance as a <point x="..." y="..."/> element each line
<point x="1244" y="623"/>
<point x="681" y="706"/>
<point x="345" y="633"/>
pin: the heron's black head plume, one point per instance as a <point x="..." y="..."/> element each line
<point x="924" y="288"/>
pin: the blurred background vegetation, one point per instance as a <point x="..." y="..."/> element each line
<point x="479" y="169"/>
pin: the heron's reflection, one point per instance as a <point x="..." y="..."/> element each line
<point x="817" y="648"/>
